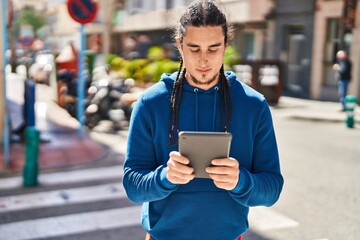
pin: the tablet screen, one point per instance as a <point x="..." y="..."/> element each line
<point x="202" y="147"/>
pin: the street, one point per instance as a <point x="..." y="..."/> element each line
<point x="320" y="199"/>
<point x="320" y="164"/>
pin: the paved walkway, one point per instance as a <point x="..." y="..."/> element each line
<point x="60" y="145"/>
<point x="311" y="110"/>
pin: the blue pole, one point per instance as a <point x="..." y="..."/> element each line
<point x="6" y="116"/>
<point x="81" y="83"/>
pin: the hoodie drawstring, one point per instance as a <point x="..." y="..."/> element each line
<point x="196" y="90"/>
<point x="214" y="111"/>
<point x="196" y="109"/>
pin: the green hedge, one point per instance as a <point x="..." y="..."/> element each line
<point x="151" y="68"/>
<point x="141" y="70"/>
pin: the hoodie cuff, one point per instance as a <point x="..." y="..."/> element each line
<point x="244" y="183"/>
<point x="165" y="183"/>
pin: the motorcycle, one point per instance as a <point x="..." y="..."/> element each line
<point x="67" y="90"/>
<point x="105" y="101"/>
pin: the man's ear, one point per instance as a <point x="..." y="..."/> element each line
<point x="226" y="44"/>
<point x="179" y="46"/>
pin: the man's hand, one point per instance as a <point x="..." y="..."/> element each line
<point x="224" y="172"/>
<point x="177" y="171"/>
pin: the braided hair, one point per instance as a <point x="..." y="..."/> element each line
<point x="200" y="13"/>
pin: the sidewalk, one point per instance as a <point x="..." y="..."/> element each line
<point x="62" y="146"/>
<point x="310" y="110"/>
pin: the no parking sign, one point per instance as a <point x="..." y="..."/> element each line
<point x="82" y="11"/>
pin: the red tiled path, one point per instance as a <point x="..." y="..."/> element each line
<point x="64" y="147"/>
<point x="62" y="150"/>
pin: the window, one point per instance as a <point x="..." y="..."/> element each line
<point x="332" y="40"/>
<point x="137" y="3"/>
<point x="169" y="4"/>
<point x="332" y="45"/>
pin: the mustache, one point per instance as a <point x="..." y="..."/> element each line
<point x="208" y="82"/>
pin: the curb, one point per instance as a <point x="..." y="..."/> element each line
<point x="315" y="111"/>
<point x="316" y="119"/>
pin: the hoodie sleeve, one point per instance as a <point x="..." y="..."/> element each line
<point x="144" y="180"/>
<point x="263" y="184"/>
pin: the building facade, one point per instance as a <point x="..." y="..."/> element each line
<point x="289" y="39"/>
<point x="303" y="34"/>
<point x="156" y="18"/>
<point x="330" y="36"/>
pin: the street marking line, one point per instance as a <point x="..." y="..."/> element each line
<point x="71" y="224"/>
<point x="62" y="197"/>
<point x="265" y="219"/>
<point x="83" y="175"/>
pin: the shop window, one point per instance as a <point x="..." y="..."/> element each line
<point x="332" y="40"/>
<point x="249" y="45"/>
<point x="332" y="45"/>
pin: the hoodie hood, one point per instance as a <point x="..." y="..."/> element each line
<point x="169" y="79"/>
<point x="196" y="96"/>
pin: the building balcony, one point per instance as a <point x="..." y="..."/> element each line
<point x="238" y="11"/>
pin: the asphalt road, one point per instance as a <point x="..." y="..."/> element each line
<point x="321" y="165"/>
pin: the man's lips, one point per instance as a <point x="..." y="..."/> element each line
<point x="203" y="70"/>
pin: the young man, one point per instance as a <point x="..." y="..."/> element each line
<point x="343" y="75"/>
<point x="201" y="97"/>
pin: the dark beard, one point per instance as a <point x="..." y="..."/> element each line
<point x="203" y="83"/>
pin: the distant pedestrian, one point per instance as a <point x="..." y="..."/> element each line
<point x="342" y="70"/>
<point x="201" y="97"/>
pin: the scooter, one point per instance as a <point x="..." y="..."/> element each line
<point x="67" y="92"/>
<point x="105" y="102"/>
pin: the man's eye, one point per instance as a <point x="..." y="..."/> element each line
<point x="194" y="49"/>
<point x="213" y="49"/>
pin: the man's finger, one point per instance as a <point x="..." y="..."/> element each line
<point x="176" y="156"/>
<point x="178" y="167"/>
<point x="231" y="162"/>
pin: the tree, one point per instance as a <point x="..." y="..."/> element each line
<point x="28" y="16"/>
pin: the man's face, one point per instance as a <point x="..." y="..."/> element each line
<point x="341" y="55"/>
<point x="202" y="51"/>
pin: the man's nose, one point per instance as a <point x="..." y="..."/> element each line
<point x="203" y="58"/>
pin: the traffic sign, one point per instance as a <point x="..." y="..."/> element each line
<point x="26" y="41"/>
<point x="82" y="11"/>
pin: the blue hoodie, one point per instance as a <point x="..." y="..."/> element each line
<point x="200" y="210"/>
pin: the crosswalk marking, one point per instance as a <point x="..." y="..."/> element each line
<point x="260" y="218"/>
<point x="62" y="197"/>
<point x="83" y="175"/>
<point x="71" y="224"/>
<point x="265" y="219"/>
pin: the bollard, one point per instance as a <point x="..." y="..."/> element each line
<point x="29" y="103"/>
<point x="31" y="167"/>
<point x="350" y="104"/>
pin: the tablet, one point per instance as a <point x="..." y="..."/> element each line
<point x="202" y="147"/>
